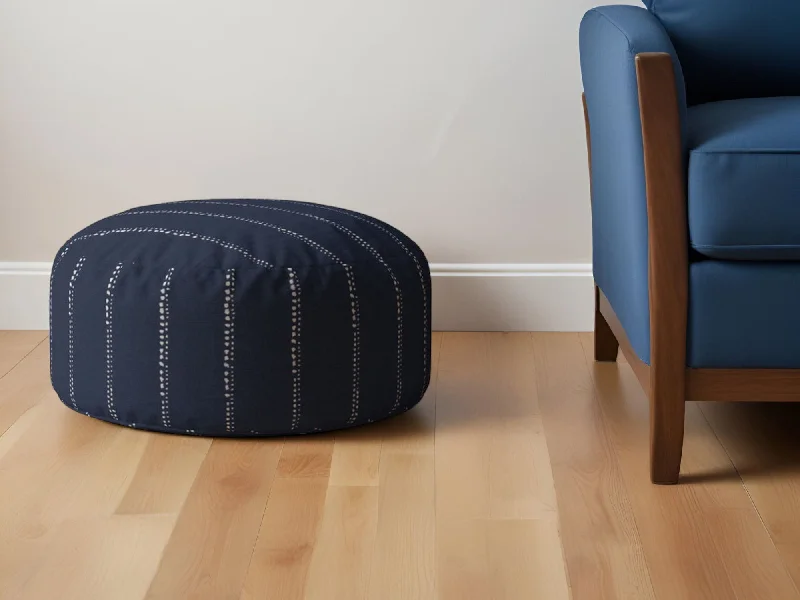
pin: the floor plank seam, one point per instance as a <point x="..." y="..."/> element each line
<point x="21" y="360"/>
<point x="749" y="497"/>
<point x="589" y="362"/>
<point x="263" y="516"/>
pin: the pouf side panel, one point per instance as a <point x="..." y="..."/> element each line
<point x="89" y="361"/>
<point x="262" y="352"/>
<point x="384" y="344"/>
<point x="137" y="345"/>
<point x="195" y="358"/>
<point x="406" y="259"/>
<point x="62" y="298"/>
<point x="417" y="340"/>
<point x="328" y="390"/>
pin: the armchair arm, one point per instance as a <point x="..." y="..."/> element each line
<point x="611" y="37"/>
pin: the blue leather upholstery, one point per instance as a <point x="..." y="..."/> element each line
<point x="610" y="39"/>
<point x="744" y="179"/>
<point x="734" y="48"/>
<point x="744" y="315"/>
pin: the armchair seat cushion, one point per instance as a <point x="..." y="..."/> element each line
<point x="744" y="179"/>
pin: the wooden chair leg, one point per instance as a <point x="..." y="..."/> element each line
<point x="606" y="346"/>
<point x="667" y="415"/>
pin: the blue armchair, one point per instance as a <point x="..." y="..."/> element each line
<point x="693" y="124"/>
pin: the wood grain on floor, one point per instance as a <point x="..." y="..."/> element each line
<point x="521" y="474"/>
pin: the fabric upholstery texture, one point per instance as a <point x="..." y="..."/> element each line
<point x="744" y="315"/>
<point x="732" y="49"/>
<point x="240" y="318"/>
<point x="744" y="179"/>
<point x="610" y="39"/>
<point x="741" y="61"/>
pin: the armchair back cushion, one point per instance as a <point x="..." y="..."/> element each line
<point x="731" y="49"/>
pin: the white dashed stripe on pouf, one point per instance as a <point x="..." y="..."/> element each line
<point x="297" y="359"/>
<point x="112" y="284"/>
<point x="369" y="248"/>
<point x="351" y="284"/>
<point x="228" y="372"/>
<point x="163" y="346"/>
<point x="71" y="315"/>
<point x="355" y="315"/>
<point x="370" y="221"/>
<point x="180" y="233"/>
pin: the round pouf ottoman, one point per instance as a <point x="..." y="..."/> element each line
<point x="240" y="318"/>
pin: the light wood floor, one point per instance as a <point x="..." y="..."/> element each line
<point x="523" y="474"/>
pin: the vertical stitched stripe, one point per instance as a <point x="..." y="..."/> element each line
<point x="351" y="283"/>
<point x="372" y="222"/>
<point x="163" y="346"/>
<point x="376" y="225"/>
<point x="297" y="359"/>
<point x="229" y="374"/>
<point x="356" y="318"/>
<point x="398" y="302"/>
<point x="112" y="283"/>
<point x="71" y="314"/>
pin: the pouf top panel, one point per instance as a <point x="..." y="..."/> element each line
<point x="223" y="234"/>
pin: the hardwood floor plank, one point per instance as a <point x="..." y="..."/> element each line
<point x="356" y="457"/>
<point x="16" y="345"/>
<point x="762" y="441"/>
<point x="403" y="558"/>
<point x="307" y="456"/>
<point x="24" y="386"/>
<point x="212" y="543"/>
<point x="500" y="558"/>
<point x="491" y="452"/>
<point x="520" y="477"/>
<point x="463" y="568"/>
<point x="602" y="548"/>
<point x="702" y="537"/>
<point x="286" y="540"/>
<point x="101" y="558"/>
<point x="64" y="467"/>
<point x="465" y="406"/>
<point x="340" y="565"/>
<point x="523" y="562"/>
<point x="13" y="434"/>
<point x="165" y="474"/>
<point x="493" y="472"/>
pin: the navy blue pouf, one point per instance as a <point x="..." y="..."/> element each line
<point x="240" y="318"/>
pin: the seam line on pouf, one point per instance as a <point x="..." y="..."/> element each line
<point x="228" y="372"/>
<point x="163" y="346"/>
<point x="173" y="232"/>
<point x="112" y="284"/>
<point x="71" y="316"/>
<point x="297" y="363"/>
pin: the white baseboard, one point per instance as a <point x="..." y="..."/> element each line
<point x="512" y="297"/>
<point x="466" y="297"/>
<point x="24" y="295"/>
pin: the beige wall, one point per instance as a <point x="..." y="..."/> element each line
<point x="459" y="121"/>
